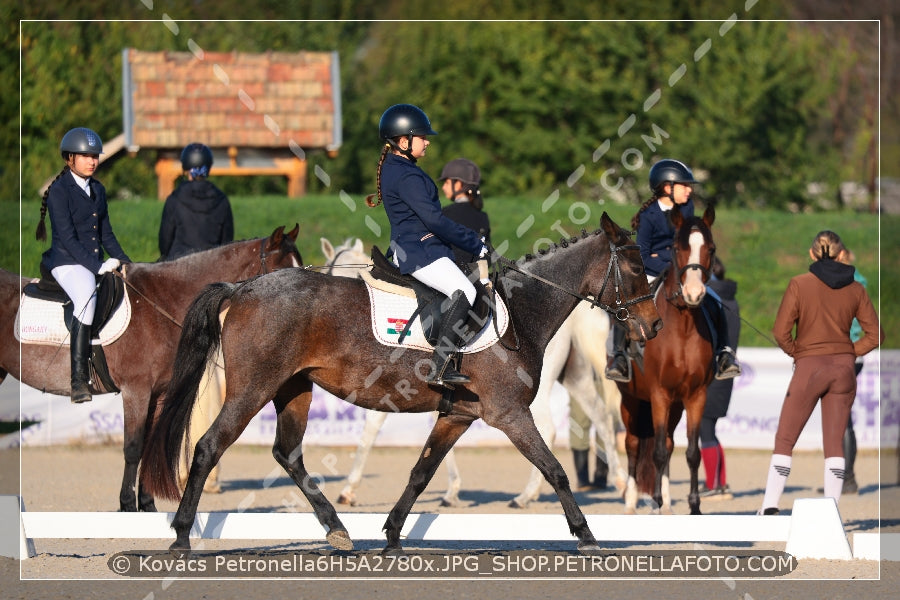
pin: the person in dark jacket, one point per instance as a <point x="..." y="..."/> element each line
<point x="80" y="233"/>
<point x="462" y="186"/>
<point x="422" y="237"/>
<point x="671" y="182"/>
<point x="718" y="393"/>
<point x="820" y="307"/>
<point x="197" y="215"/>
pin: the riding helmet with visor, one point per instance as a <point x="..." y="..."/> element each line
<point x="669" y="170"/>
<point x="80" y="140"/>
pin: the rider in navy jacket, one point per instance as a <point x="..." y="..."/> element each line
<point x="422" y="237"/>
<point x="671" y="183"/>
<point x="80" y="233"/>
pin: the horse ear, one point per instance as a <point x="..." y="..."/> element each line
<point x="709" y="215"/>
<point x="609" y="227"/>
<point x="358" y="246"/>
<point x="327" y="249"/>
<point x="293" y="233"/>
<point x="276" y="237"/>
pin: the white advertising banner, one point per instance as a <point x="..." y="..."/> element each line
<point x="751" y="421"/>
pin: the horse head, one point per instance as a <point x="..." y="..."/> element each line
<point x="693" y="250"/>
<point x="629" y="294"/>
<point x="347" y="259"/>
<point x="282" y="248"/>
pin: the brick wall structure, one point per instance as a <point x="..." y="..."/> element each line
<point x="260" y="113"/>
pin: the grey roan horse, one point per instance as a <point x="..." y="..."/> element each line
<point x="289" y="329"/>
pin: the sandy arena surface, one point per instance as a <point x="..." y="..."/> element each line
<point x="87" y="478"/>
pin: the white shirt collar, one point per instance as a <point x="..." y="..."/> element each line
<point x="83" y="183"/>
<point x="663" y="207"/>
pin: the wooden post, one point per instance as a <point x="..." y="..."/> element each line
<point x="167" y="171"/>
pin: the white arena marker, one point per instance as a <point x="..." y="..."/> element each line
<point x="817" y="531"/>
<point x="13" y="543"/>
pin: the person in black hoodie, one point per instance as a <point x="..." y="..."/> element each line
<point x="197" y="215"/>
<point x="718" y="394"/>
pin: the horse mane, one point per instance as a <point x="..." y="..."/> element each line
<point x="563" y="243"/>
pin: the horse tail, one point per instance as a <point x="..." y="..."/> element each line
<point x="200" y="337"/>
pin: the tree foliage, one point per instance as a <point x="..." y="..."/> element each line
<point x="579" y="104"/>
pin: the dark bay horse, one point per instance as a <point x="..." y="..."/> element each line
<point x="677" y="368"/>
<point x="140" y="361"/>
<point x="290" y="329"/>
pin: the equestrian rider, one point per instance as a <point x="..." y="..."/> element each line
<point x="197" y="216"/>
<point x="422" y="237"/>
<point x="80" y="233"/>
<point x="670" y="182"/>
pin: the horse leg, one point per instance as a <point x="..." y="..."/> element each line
<point x="694" y="414"/>
<point x="522" y="432"/>
<point x="236" y="413"/>
<point x="373" y="424"/>
<point x="135" y="420"/>
<point x="632" y="448"/>
<point x="445" y="433"/>
<point x="292" y="404"/>
<point x="454" y="480"/>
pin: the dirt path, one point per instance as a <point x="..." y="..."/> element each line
<point x="87" y="479"/>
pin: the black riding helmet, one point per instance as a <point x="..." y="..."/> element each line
<point x="196" y="155"/>
<point x="462" y="169"/>
<point x="402" y="120"/>
<point x="669" y="170"/>
<point x="80" y="140"/>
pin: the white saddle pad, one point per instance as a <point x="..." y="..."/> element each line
<point x="391" y="311"/>
<point x="41" y="322"/>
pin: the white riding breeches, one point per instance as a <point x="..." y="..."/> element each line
<point x="444" y="276"/>
<point x="80" y="286"/>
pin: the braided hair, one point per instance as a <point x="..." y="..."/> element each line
<point x="40" y="234"/>
<point x="828" y="245"/>
<point x="371" y="200"/>
<point x="636" y="219"/>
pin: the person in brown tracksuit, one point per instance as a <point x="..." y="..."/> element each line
<point x="822" y="305"/>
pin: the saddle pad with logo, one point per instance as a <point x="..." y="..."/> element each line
<point x="42" y="322"/>
<point x="391" y="311"/>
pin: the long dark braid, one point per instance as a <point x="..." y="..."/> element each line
<point x="370" y="202"/>
<point x="636" y="219"/>
<point x="40" y="234"/>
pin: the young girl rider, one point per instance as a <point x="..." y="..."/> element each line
<point x="81" y="231"/>
<point x="670" y="182"/>
<point x="422" y="237"/>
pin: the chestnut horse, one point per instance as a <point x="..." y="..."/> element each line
<point x="290" y="329"/>
<point x="140" y="361"/>
<point x="677" y="368"/>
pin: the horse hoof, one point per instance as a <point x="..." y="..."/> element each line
<point x="178" y="551"/>
<point x="214" y="488"/>
<point x="452" y="502"/>
<point x="589" y="548"/>
<point x="347" y="499"/>
<point x="666" y="510"/>
<point x="129" y="508"/>
<point x="148" y="508"/>
<point x="339" y="539"/>
<point x="395" y="551"/>
<point x="516" y="503"/>
<point x="629" y="510"/>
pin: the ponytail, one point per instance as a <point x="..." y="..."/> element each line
<point x="370" y="199"/>
<point x="40" y="234"/>
<point x="636" y="219"/>
<point x="827" y="244"/>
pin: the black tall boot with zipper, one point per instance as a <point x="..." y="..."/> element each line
<point x="80" y="346"/>
<point x="450" y="341"/>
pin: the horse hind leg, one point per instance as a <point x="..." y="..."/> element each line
<point x="454" y="481"/>
<point x="288" y="452"/>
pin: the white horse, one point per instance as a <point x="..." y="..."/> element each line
<point x="585" y="331"/>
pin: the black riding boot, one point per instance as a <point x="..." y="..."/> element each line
<point x="850" y="485"/>
<point x="727" y="366"/>
<point x="80" y="346"/>
<point x="450" y="341"/>
<point x="601" y="473"/>
<point x="617" y="370"/>
<point x="581" y="470"/>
